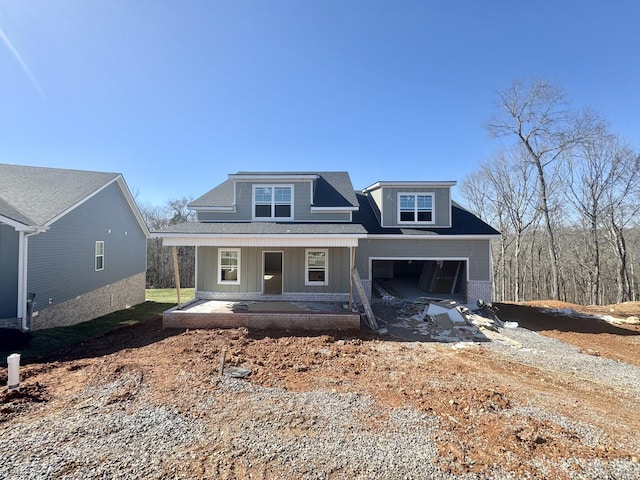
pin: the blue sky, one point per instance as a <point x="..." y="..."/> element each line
<point x="177" y="94"/>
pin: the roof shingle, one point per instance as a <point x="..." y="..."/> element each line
<point x="36" y="195"/>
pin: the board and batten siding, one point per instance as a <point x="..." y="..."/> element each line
<point x="9" y="248"/>
<point x="301" y="205"/>
<point x="477" y="251"/>
<point x="441" y="204"/>
<point x="251" y="265"/>
<point x="62" y="259"/>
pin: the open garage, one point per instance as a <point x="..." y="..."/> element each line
<point x="409" y="278"/>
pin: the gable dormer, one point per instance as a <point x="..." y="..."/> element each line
<point x="412" y="204"/>
<point x="279" y="197"/>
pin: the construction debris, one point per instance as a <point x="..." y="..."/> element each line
<point x="237" y="372"/>
<point x="448" y="321"/>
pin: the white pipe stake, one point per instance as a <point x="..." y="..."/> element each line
<point x="13" y="379"/>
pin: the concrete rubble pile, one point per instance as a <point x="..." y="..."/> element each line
<point x="448" y="321"/>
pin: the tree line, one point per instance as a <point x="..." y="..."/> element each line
<point x="160" y="272"/>
<point x="564" y="191"/>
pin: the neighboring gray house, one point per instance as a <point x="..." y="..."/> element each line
<point x="297" y="235"/>
<point x="72" y="246"/>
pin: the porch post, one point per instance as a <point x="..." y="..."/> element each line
<point x="353" y="265"/>
<point x="176" y="272"/>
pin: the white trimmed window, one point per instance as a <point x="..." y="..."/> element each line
<point x="229" y="266"/>
<point x="316" y="270"/>
<point x="415" y="208"/>
<point x="273" y="202"/>
<point x="99" y="255"/>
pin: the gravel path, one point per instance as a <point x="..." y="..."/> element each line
<point x="551" y="354"/>
<point x="312" y="435"/>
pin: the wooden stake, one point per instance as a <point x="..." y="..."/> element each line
<point x="176" y="272"/>
<point x="221" y="366"/>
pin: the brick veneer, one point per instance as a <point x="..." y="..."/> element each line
<point x="262" y="320"/>
<point x="9" y="323"/>
<point x="476" y="290"/>
<point x="114" y="297"/>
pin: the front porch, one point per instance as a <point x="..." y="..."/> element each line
<point x="262" y="315"/>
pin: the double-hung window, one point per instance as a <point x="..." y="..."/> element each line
<point x="229" y="266"/>
<point x="316" y="267"/>
<point x="99" y="263"/>
<point x="415" y="208"/>
<point x="272" y="202"/>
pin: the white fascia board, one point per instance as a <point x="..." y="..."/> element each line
<point x="133" y="205"/>
<point x="282" y="177"/>
<point x="334" y="209"/>
<point x="230" y="209"/>
<point x="21" y="227"/>
<point x="257" y="241"/>
<point x="431" y="237"/>
<point x="377" y="185"/>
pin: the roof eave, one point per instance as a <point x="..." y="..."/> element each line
<point x="432" y="236"/>
<point x="295" y="176"/>
<point x="377" y="185"/>
<point x="334" y="209"/>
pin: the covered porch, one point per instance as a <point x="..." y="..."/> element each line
<point x="268" y="276"/>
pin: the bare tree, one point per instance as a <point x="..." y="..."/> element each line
<point x="478" y="191"/>
<point x="622" y="209"/>
<point x="159" y="260"/>
<point x="537" y="117"/>
<point x="504" y="188"/>
<point x="595" y="170"/>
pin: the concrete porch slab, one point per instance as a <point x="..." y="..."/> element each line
<point x="276" y="315"/>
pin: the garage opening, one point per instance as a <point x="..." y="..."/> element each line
<point x="414" y="278"/>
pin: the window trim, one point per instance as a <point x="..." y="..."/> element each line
<point x="415" y="208"/>
<point x="99" y="255"/>
<point x="273" y="204"/>
<point x="307" y="270"/>
<point x="238" y="266"/>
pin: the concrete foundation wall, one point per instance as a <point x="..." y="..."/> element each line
<point x="117" y="296"/>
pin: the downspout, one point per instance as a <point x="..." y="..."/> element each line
<point x="23" y="257"/>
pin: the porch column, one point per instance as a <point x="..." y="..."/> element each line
<point x="176" y="272"/>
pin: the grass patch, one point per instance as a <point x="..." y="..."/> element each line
<point x="168" y="295"/>
<point x="46" y="342"/>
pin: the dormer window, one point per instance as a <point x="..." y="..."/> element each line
<point x="415" y="208"/>
<point x="272" y="202"/>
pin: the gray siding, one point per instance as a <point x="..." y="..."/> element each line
<point x="9" y="240"/>
<point x="376" y="195"/>
<point x="441" y="203"/>
<point x="301" y="205"/>
<point x="217" y="217"/>
<point x="477" y="251"/>
<point x="62" y="260"/>
<point x="251" y="271"/>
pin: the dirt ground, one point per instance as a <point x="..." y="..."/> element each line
<point x="468" y="388"/>
<point x="615" y="339"/>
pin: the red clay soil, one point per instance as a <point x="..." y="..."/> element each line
<point x="469" y="389"/>
<point x="618" y="339"/>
